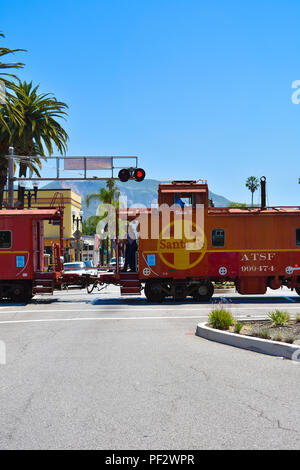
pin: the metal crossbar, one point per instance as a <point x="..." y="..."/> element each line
<point x="77" y="163"/>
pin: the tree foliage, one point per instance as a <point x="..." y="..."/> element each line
<point x="29" y="121"/>
<point x="7" y="99"/>
<point x="237" y="204"/>
<point x="108" y="195"/>
<point x="89" y="225"/>
<point x="252" y="183"/>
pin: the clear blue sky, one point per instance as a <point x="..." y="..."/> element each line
<point x="196" y="89"/>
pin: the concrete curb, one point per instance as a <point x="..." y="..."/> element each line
<point x="273" y="348"/>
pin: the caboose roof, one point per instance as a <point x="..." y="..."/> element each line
<point x="180" y="189"/>
<point x="33" y="213"/>
<point x="255" y="210"/>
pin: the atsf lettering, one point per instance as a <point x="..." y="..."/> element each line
<point x="258" y="256"/>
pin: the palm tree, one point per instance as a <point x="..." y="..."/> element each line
<point x="252" y="183"/>
<point x="11" y="65"/>
<point x="105" y="196"/>
<point x="8" y="110"/>
<point x="40" y="130"/>
<point x="6" y="98"/>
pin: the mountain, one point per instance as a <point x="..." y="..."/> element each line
<point x="144" y="193"/>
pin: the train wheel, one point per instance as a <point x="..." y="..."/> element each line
<point x="204" y="292"/>
<point x="153" y="292"/>
<point x="21" y="293"/>
<point x="180" y="292"/>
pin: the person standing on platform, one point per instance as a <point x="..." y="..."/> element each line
<point x="130" y="251"/>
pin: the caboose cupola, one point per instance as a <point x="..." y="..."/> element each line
<point x="184" y="193"/>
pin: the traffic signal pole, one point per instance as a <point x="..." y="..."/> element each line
<point x="85" y="165"/>
<point x="10" y="177"/>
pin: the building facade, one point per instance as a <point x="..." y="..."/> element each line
<point x="71" y="202"/>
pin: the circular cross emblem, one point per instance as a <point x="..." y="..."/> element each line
<point x="182" y="244"/>
<point x="223" y="270"/>
<point x="289" y="270"/>
<point x="146" y="272"/>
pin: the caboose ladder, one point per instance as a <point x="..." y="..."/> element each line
<point x="43" y="283"/>
<point x="130" y="283"/>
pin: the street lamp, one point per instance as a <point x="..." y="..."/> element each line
<point x="77" y="234"/>
<point x="77" y="219"/>
<point x="30" y="193"/>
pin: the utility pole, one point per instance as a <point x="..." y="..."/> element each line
<point x="11" y="177"/>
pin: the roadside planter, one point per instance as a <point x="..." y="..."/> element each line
<point x="220" y="333"/>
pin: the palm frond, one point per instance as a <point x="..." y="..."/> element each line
<point x="91" y="197"/>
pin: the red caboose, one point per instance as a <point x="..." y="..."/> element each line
<point x="22" y="253"/>
<point x="254" y="247"/>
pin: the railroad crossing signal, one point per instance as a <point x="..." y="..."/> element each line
<point x="77" y="234"/>
<point x="138" y="174"/>
<point x="87" y="166"/>
<point x="90" y="168"/>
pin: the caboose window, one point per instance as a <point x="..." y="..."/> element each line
<point x="218" y="237"/>
<point x="184" y="200"/>
<point x="5" y="239"/>
<point x="297" y="236"/>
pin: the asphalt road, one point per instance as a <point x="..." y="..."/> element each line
<point x="100" y="371"/>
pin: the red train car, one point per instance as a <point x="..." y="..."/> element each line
<point x="254" y="247"/>
<point x="184" y="246"/>
<point x="22" y="253"/>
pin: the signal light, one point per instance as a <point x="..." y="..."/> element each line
<point x="124" y="175"/>
<point x="129" y="173"/>
<point x="139" y="174"/>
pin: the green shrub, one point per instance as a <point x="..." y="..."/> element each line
<point x="279" y="318"/>
<point x="262" y="333"/>
<point x="237" y="327"/>
<point x="278" y="337"/>
<point x="220" y="319"/>
<point x="298" y="318"/>
<point x="289" y="339"/>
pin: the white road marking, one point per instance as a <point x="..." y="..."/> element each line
<point x="45" y="320"/>
<point x="138" y="309"/>
<point x="51" y="320"/>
